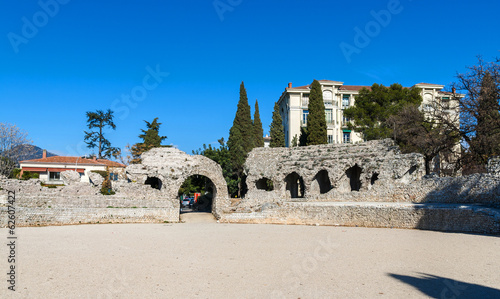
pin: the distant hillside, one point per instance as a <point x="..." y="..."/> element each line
<point x="34" y="152"/>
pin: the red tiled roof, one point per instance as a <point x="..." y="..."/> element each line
<point x="426" y="84"/>
<point x="300" y="87"/>
<point x="330" y="81"/>
<point x="110" y="163"/>
<point x="74" y="160"/>
<point x="354" y="87"/>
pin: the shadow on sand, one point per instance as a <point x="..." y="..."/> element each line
<point x="442" y="287"/>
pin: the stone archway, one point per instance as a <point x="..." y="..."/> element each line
<point x="172" y="167"/>
<point x="321" y="182"/>
<point x="354" y="176"/>
<point x="294" y="184"/>
<point x="219" y="191"/>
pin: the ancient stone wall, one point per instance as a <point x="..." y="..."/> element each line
<point x="171" y="167"/>
<point x="372" y="171"/>
<point x="83" y="203"/>
<point x="149" y="194"/>
<point x="368" y="184"/>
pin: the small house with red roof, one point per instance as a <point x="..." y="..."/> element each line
<point x="50" y="168"/>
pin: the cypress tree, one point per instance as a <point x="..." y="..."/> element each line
<point x="303" y="136"/>
<point x="241" y="135"/>
<point x="257" y="126"/>
<point x="243" y="123"/>
<point x="316" y="120"/>
<point x="276" y="129"/>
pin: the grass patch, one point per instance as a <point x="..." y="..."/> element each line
<point x="51" y="185"/>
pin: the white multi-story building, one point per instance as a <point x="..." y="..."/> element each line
<point x="293" y="104"/>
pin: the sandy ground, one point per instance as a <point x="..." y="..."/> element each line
<point x="205" y="259"/>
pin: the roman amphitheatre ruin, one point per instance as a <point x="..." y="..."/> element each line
<point x="368" y="184"/>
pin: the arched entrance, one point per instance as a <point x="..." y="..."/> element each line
<point x="354" y="175"/>
<point x="322" y="180"/>
<point x="295" y="185"/>
<point x="166" y="169"/>
<point x="197" y="194"/>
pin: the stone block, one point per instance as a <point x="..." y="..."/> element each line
<point x="70" y="177"/>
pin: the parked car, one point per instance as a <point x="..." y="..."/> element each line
<point x="185" y="202"/>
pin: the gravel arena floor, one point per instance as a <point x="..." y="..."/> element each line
<point x="205" y="259"/>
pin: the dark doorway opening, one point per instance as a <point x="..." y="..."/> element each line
<point x="244" y="187"/>
<point x="354" y="174"/>
<point x="323" y="181"/>
<point x="374" y="178"/>
<point x="197" y="194"/>
<point x="295" y="185"/>
<point x="154" y="182"/>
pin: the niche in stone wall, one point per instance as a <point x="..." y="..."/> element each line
<point x="154" y="182"/>
<point x="323" y="181"/>
<point x="264" y="184"/>
<point x="244" y="187"/>
<point x="295" y="185"/>
<point x="354" y="174"/>
<point x="373" y="178"/>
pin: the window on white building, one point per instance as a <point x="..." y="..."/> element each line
<point x="327" y="96"/>
<point x="329" y="116"/>
<point x="347" y="137"/>
<point x="54" y="176"/>
<point x="345" y="101"/>
<point x="305" y="113"/>
<point x="345" y="120"/>
<point x="428" y="107"/>
<point x="330" y="139"/>
<point x="446" y="102"/>
<point x="305" y="99"/>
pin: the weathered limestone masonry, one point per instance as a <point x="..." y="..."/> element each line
<point x="170" y="167"/>
<point x="149" y="196"/>
<point x="367" y="184"/>
<point x="82" y="203"/>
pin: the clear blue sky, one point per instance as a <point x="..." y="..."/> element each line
<point x="84" y="55"/>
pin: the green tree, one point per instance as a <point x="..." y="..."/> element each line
<point x="487" y="139"/>
<point x="303" y="136"/>
<point x="257" y="126"/>
<point x="276" y="130"/>
<point x="100" y="120"/>
<point x="150" y="138"/>
<point x="316" y="121"/>
<point x="295" y="141"/>
<point x="373" y="107"/>
<point x="241" y="135"/>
